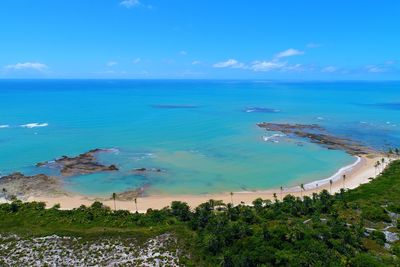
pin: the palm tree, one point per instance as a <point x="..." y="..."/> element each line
<point x="281" y="193"/>
<point x="376" y="167"/>
<point x="344" y="181"/>
<point x="5" y="192"/>
<point x="274" y="195"/>
<point x="390" y="154"/>
<point x="301" y="190"/>
<point x="231" y="193"/>
<point x="383" y="163"/>
<point x="135" y="199"/>
<point x="379" y="164"/>
<point x="316" y="188"/>
<point x="114" y="196"/>
<point x="396" y="151"/>
<point x="330" y="186"/>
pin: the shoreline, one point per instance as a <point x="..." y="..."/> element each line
<point x="356" y="173"/>
<point x="336" y="176"/>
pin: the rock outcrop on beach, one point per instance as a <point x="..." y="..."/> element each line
<point x="20" y="185"/>
<point x="318" y="135"/>
<point x="131" y="194"/>
<point x="85" y="163"/>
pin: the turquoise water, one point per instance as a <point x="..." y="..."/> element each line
<point x="197" y="132"/>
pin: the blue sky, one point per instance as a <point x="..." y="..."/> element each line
<point x="207" y="39"/>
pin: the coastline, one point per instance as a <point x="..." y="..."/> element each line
<point x="356" y="173"/>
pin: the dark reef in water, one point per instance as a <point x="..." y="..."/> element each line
<point x="318" y="135"/>
<point x="395" y="106"/>
<point x="169" y="106"/>
<point x="388" y="105"/>
<point x="146" y="170"/>
<point x="85" y="163"/>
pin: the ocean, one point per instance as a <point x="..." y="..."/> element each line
<point x="201" y="134"/>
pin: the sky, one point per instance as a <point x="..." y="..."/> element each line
<point x="207" y="39"/>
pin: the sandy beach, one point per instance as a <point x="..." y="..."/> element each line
<point x="357" y="173"/>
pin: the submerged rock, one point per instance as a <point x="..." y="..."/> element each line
<point x="173" y="106"/>
<point x="144" y="170"/>
<point x="140" y="170"/>
<point x="318" y="135"/>
<point x="85" y="163"/>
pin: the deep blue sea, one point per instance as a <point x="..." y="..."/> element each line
<point x="202" y="134"/>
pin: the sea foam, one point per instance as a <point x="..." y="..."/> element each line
<point x="334" y="177"/>
<point x="272" y="138"/>
<point x="34" y="125"/>
<point x="4" y="126"/>
<point x="261" y="110"/>
<point x="112" y="150"/>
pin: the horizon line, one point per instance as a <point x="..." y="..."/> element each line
<point x="198" y="79"/>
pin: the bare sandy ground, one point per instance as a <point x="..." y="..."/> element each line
<point x="358" y="173"/>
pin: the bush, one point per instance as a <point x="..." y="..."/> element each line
<point x="396" y="249"/>
<point x="379" y="237"/>
<point x="365" y="260"/>
<point x="375" y="214"/>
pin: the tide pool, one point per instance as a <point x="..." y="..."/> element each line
<point x="201" y="134"/>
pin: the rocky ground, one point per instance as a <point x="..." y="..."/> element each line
<point x="70" y="251"/>
<point x="19" y="185"/>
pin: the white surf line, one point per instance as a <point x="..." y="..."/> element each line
<point x="310" y="185"/>
<point x="335" y="177"/>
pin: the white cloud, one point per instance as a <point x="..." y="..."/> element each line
<point x="295" y="68"/>
<point x="27" y="66"/>
<point x="329" y="69"/>
<point x="112" y="63"/>
<point x="230" y="63"/>
<point x="183" y="53"/>
<point x="137" y="60"/>
<point x="390" y="62"/>
<point x="375" y="69"/>
<point x="130" y="3"/>
<point x="276" y="64"/>
<point x="267" y="65"/>
<point x="313" y="45"/>
<point x="196" y="62"/>
<point x="112" y="72"/>
<point x="289" y="53"/>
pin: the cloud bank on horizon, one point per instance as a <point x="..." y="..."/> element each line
<point x="202" y="39"/>
<point x="27" y="66"/>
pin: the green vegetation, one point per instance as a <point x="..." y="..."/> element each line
<point x="345" y="229"/>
